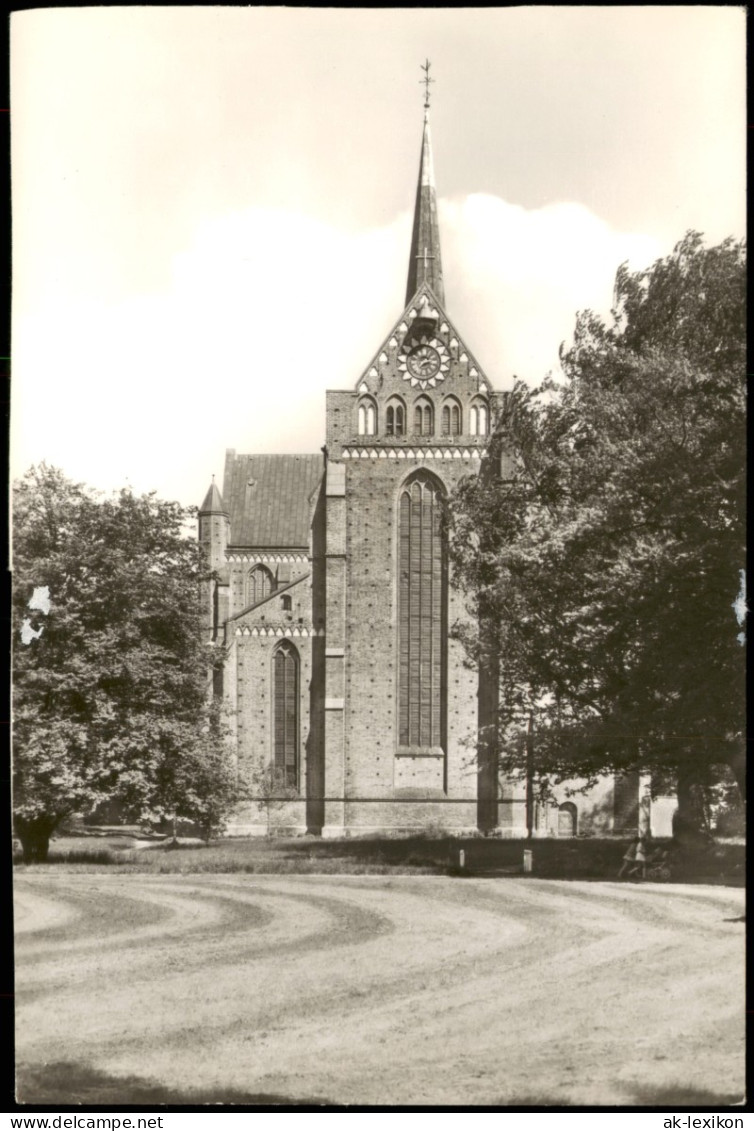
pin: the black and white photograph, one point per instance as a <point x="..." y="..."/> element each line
<point x="378" y="468"/>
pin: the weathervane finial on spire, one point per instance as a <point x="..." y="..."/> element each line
<point x="425" y="82"/>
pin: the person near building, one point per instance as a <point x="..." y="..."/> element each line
<point x="628" y="866"/>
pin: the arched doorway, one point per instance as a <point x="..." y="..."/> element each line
<point x="567" y="819"/>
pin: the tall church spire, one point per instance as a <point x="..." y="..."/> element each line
<point x="425" y="264"/>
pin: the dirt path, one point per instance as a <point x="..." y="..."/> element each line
<point x="375" y="990"/>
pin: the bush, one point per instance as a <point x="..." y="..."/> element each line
<point x="731" y="822"/>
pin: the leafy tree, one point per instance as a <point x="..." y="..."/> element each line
<point x="111" y="675"/>
<point x="268" y="787"/>
<point x="604" y="566"/>
<point x="197" y="781"/>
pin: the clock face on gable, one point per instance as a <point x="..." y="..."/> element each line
<point x="424" y="362"/>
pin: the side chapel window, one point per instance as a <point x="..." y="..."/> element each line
<point x="285" y="678"/>
<point x="259" y="583"/>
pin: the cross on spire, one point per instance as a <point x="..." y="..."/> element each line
<point x="426" y="81"/>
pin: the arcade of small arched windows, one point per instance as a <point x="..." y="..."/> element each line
<point x="424" y="417"/>
<point x="420" y="418"/>
<point x="452" y="419"/>
<point x="367" y="417"/>
<point x="395" y="417"/>
<point x="479" y="418"/>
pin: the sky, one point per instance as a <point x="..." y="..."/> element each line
<point x="212" y="206"/>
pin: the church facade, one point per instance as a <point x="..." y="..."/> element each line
<point x="353" y="707"/>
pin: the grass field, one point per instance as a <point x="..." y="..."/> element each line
<point x="403" y="989"/>
<point x="597" y="858"/>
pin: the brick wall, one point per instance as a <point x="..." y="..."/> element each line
<point x="250" y="667"/>
<point x="362" y="590"/>
<point x="282" y="573"/>
<point x="349" y="700"/>
<point x="372" y="768"/>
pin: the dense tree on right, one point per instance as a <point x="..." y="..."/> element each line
<point x="605" y="563"/>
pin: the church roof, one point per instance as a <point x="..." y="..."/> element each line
<point x="213" y="501"/>
<point x="269" y="498"/>
<point x="425" y="264"/>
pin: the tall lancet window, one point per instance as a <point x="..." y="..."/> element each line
<point x="422" y="614"/>
<point x="285" y="678"/>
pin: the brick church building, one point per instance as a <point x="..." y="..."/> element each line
<point x="353" y="708"/>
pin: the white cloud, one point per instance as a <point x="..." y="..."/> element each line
<point x="521" y="276"/>
<point x="266" y="310"/>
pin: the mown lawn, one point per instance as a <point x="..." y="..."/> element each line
<point x="592" y="858"/>
<point x="372" y="989"/>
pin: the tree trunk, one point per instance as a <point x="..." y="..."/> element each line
<point x="737" y="763"/>
<point x="530" y="777"/>
<point x="488" y="741"/>
<point x="690" y="823"/>
<point x="173" y="842"/>
<point x="34" y="834"/>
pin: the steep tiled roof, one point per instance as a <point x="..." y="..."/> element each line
<point x="269" y="498"/>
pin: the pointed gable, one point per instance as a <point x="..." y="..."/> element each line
<point x="423" y="323"/>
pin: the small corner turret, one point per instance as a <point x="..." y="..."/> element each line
<point x="214" y="527"/>
<point x="213" y="501"/>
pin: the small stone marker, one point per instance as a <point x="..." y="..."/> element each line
<point x="461" y="858"/>
<point x="528" y="861"/>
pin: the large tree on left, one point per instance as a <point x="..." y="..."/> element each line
<point x="111" y="674"/>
